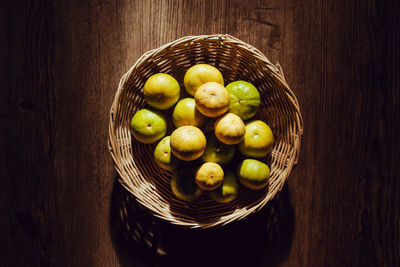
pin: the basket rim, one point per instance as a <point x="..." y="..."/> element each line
<point x="276" y="72"/>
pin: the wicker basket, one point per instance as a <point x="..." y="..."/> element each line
<point x="134" y="162"/>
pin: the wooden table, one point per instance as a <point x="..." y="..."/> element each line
<point x="59" y="198"/>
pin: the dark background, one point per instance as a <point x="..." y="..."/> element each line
<point x="61" y="62"/>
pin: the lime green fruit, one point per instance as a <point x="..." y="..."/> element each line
<point x="244" y="99"/>
<point x="188" y="142"/>
<point x="163" y="155"/>
<point x="186" y="113"/>
<point x="216" y="151"/>
<point x="253" y="174"/>
<point x="183" y="185"/>
<point x="258" y="139"/>
<point x="200" y="74"/>
<point x="228" y="191"/>
<point x="148" y="126"/>
<point x="161" y="91"/>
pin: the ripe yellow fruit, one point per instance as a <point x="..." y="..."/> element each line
<point x="188" y="143"/>
<point x="186" y="113"/>
<point x="161" y="91"/>
<point x="209" y="176"/>
<point x="200" y="74"/>
<point x="212" y="99"/>
<point x="229" y="129"/>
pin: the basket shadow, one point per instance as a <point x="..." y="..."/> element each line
<point x="141" y="239"/>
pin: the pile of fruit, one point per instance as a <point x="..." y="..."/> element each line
<point x="211" y="153"/>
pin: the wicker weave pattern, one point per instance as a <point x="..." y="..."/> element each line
<point x="134" y="162"/>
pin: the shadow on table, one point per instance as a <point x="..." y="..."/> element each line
<point x="140" y="239"/>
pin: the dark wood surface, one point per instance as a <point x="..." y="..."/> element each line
<point x="61" y="62"/>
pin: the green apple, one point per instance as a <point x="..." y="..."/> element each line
<point x="148" y="126"/>
<point x="216" y="151"/>
<point x="258" y="139"/>
<point x="163" y="155"/>
<point x="228" y="191"/>
<point x="183" y="184"/>
<point x="186" y="113"/>
<point x="161" y="91"/>
<point x="253" y="174"/>
<point x="244" y="99"/>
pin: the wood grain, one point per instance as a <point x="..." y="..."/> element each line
<point x="60" y="66"/>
